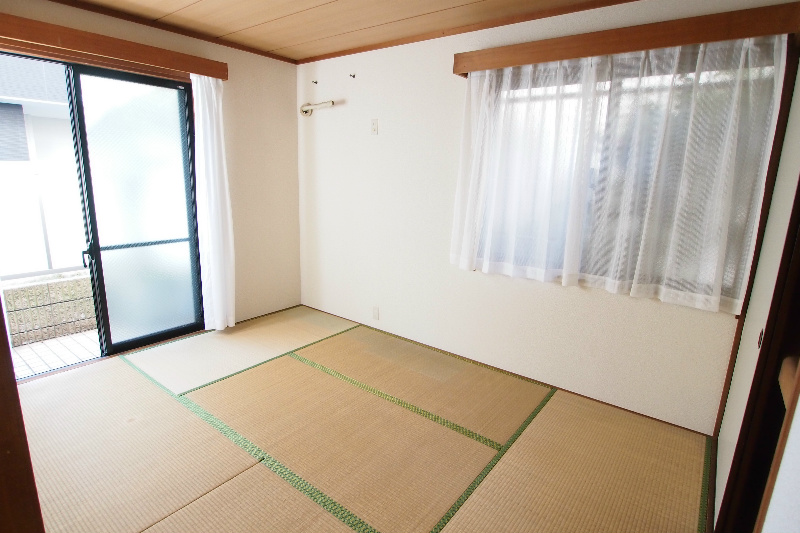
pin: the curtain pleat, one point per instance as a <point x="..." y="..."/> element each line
<point x="214" y="221"/>
<point x="640" y="173"/>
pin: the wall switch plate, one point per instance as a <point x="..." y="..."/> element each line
<point x="376" y="313"/>
<point x="374" y="126"/>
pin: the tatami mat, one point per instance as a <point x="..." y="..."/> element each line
<point x="397" y="471"/>
<point x="488" y="402"/>
<point x="188" y="363"/>
<point x="113" y="453"/>
<point x="582" y="466"/>
<point x="255" y="501"/>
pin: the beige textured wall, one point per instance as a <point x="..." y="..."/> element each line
<point x="261" y="144"/>
<point x="376" y="215"/>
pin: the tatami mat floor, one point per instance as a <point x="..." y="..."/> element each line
<point x="300" y="421"/>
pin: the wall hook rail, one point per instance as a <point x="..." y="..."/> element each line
<point x="307" y="109"/>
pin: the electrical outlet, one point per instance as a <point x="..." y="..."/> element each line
<point x="374" y="126"/>
<point x="376" y="313"/>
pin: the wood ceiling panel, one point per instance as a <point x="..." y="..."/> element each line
<point x="221" y="17"/>
<point x="149" y="9"/>
<point x="292" y="30"/>
<point x="336" y="18"/>
<point x="430" y="25"/>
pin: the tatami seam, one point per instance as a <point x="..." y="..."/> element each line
<point x="231" y="375"/>
<point x="209" y="491"/>
<point x="402" y="403"/>
<point x="461" y="358"/>
<point x="488" y="468"/>
<point x="264" y="362"/>
<point x="339" y="511"/>
<point x="307" y="489"/>
<point x="268" y="314"/>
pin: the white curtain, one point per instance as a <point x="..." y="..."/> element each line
<point x="215" y="226"/>
<point x="641" y="173"/>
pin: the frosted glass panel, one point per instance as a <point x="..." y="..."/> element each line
<point x="137" y="148"/>
<point x="148" y="289"/>
<point x="136" y="153"/>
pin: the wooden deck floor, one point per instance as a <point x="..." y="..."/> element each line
<point x="52" y="354"/>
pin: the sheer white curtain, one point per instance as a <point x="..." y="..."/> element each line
<point x="215" y="226"/>
<point x="641" y="173"/>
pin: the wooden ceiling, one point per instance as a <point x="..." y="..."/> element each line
<point x="300" y="31"/>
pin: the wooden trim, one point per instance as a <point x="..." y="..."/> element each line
<point x="48" y="52"/>
<point x="741" y="489"/>
<point x="42" y="39"/>
<point x="771" y="20"/>
<point x="778" y="457"/>
<point x="102" y="10"/>
<point x="19" y="501"/>
<point x="64" y="369"/>
<point x="737" y="341"/>
<point x="790" y="77"/>
<point x="504" y="21"/>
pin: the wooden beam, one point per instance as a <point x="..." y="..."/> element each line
<point x="770" y="20"/>
<point x="41" y="39"/>
<point x="48" y="52"/>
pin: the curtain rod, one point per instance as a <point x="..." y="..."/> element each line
<point x="50" y="41"/>
<point x="756" y="22"/>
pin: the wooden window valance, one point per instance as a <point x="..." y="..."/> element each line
<point x="756" y="22"/>
<point x="50" y="41"/>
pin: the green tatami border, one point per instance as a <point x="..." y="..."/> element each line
<point x="230" y="375"/>
<point x="402" y="403"/>
<point x="265" y="361"/>
<point x="702" y="519"/>
<point x="310" y="491"/>
<point x="474" y="485"/>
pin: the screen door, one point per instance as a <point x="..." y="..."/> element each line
<point x="136" y="159"/>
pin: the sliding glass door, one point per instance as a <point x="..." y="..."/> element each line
<point x="135" y="155"/>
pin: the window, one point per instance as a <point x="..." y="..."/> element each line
<point x="641" y="173"/>
<point x="40" y="205"/>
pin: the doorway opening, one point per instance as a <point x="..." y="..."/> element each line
<point x="98" y="225"/>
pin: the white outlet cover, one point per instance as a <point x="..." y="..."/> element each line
<point x="374" y="126"/>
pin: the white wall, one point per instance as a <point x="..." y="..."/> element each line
<point x="376" y="215"/>
<point x="261" y="143"/>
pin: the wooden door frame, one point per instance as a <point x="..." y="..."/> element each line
<point x="19" y="501"/>
<point x="791" y="409"/>
<point x="758" y="435"/>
